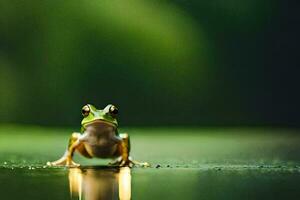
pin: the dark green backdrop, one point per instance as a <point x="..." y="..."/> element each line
<point x="161" y="62"/>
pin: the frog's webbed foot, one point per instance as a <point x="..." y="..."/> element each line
<point x="125" y="159"/>
<point x="116" y="162"/>
<point x="137" y="163"/>
<point x="128" y="163"/>
<point x="134" y="163"/>
<point x="64" y="161"/>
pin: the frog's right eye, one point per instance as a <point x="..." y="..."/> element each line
<point x="113" y="110"/>
<point x="85" y="111"/>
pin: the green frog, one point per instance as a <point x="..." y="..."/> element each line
<point x="99" y="138"/>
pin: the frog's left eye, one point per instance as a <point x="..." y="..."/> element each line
<point x="85" y="111"/>
<point x="113" y="110"/>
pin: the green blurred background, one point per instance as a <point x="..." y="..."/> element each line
<point x="196" y="65"/>
<point x="161" y="62"/>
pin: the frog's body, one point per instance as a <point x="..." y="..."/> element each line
<point x="100" y="138"/>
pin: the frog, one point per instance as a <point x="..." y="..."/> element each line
<point x="99" y="138"/>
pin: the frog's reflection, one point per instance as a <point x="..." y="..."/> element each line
<point x="96" y="184"/>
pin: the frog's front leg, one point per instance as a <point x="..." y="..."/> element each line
<point x="124" y="148"/>
<point x="66" y="159"/>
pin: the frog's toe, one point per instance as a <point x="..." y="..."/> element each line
<point x="143" y="164"/>
<point x="72" y="164"/>
<point x="125" y="163"/>
<point x="49" y="164"/>
<point x="55" y="163"/>
<point x="64" y="162"/>
<point x="137" y="163"/>
<point x="116" y="162"/>
<point x="128" y="163"/>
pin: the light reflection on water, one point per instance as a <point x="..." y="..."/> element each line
<point x="95" y="184"/>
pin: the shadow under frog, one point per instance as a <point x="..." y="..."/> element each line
<point x="96" y="184"/>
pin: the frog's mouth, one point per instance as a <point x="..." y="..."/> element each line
<point x="101" y="122"/>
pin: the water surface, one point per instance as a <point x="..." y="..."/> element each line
<point x="186" y="164"/>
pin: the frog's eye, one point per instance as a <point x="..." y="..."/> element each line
<point x="85" y="110"/>
<point x="113" y="110"/>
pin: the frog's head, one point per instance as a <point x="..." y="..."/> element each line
<point x="91" y="114"/>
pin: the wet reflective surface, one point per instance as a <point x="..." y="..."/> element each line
<point x="186" y="164"/>
<point x="147" y="184"/>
